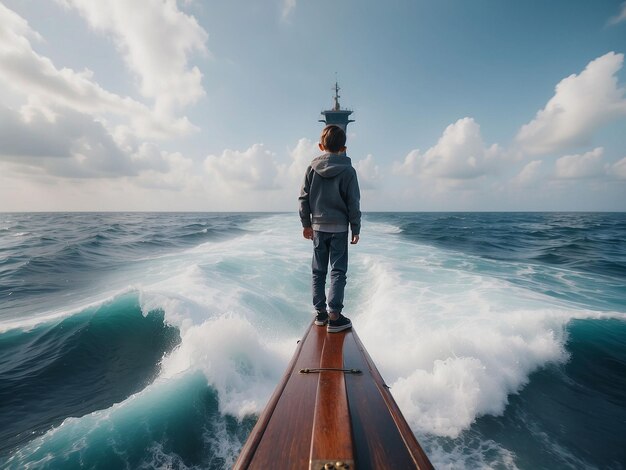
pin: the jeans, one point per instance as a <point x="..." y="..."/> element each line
<point x="333" y="248"/>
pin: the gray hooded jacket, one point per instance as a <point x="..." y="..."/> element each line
<point x="330" y="196"/>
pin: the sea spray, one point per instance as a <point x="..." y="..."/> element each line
<point x="452" y="343"/>
<point x="238" y="363"/>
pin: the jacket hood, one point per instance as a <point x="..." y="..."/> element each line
<point x="330" y="165"/>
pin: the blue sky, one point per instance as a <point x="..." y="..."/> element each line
<point x="213" y="106"/>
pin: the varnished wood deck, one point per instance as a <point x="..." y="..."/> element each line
<point x="324" y="417"/>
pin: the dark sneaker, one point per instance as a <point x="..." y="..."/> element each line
<point x="340" y="324"/>
<point x="321" y="318"/>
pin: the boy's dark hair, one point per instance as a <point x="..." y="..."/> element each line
<point x="333" y="138"/>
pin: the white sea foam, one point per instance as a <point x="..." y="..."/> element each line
<point x="452" y="343"/>
<point x="238" y="314"/>
<point x="237" y="361"/>
<point x="382" y="228"/>
<point x="468" y="452"/>
<point x="158" y="459"/>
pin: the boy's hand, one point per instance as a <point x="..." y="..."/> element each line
<point x="355" y="240"/>
<point x="307" y="233"/>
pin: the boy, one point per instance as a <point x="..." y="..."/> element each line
<point x="329" y="201"/>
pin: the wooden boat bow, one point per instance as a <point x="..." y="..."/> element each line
<point x="332" y="410"/>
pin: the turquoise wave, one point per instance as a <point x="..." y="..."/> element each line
<point x="172" y="424"/>
<point x="85" y="362"/>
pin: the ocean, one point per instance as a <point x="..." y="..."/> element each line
<point x="154" y="340"/>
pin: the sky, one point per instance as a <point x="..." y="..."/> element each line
<point x="192" y="105"/>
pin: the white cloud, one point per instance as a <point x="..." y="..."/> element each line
<point x="581" y="104"/>
<point x="255" y="168"/>
<point x="244" y="175"/>
<point x="179" y="189"/>
<point x="288" y="7"/>
<point x="529" y="174"/>
<point x="64" y="124"/>
<point x="368" y="172"/>
<point x="13" y="25"/>
<point x="620" y="17"/>
<point x="50" y="90"/>
<point x="583" y="166"/>
<point x="156" y="40"/>
<point x="301" y="156"/>
<point x="460" y="154"/>
<point x="72" y="145"/>
<point x="618" y="169"/>
<point x="168" y="171"/>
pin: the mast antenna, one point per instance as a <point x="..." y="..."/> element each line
<point x="337" y="96"/>
<point x="337" y="116"/>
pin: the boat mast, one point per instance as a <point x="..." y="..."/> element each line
<point x="337" y="116"/>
